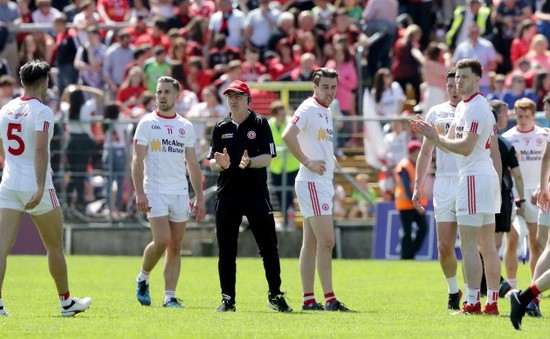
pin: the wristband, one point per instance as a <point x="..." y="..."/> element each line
<point x="519" y="202"/>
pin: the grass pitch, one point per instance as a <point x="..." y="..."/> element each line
<point x="394" y="299"/>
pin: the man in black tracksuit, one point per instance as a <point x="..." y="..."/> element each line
<point x="241" y="148"/>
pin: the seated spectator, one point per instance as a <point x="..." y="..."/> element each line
<point x="86" y="18"/>
<point x="252" y="67"/>
<point x="280" y="68"/>
<point x="162" y="8"/>
<point x="112" y="11"/>
<point x="147" y="104"/>
<point x="45" y="13"/>
<point x="156" y="36"/>
<point x="304" y="71"/>
<point x="197" y="77"/>
<point x="524" y="68"/>
<point x="140" y="9"/>
<point x="7" y="89"/>
<point x="538" y="54"/>
<point x="542" y="87"/>
<point x="388" y="94"/>
<point x="138" y="28"/>
<point x="258" y="25"/>
<point x="234" y="72"/>
<point x="131" y="89"/>
<point x="323" y="13"/>
<point x="517" y="91"/>
<point x="354" y="11"/>
<point x="364" y="201"/>
<point x="30" y="50"/>
<point x="498" y="88"/>
<point x="156" y="68"/>
<point x="186" y="100"/>
<point x="521" y="44"/>
<point x="222" y="53"/>
<point x="395" y="142"/>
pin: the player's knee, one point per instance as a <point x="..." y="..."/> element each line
<point x="445" y="248"/>
<point x="327" y="244"/>
<point x="162" y="243"/>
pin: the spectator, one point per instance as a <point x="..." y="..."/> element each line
<point x="285" y="30"/>
<point x="186" y="100"/>
<point x="388" y="94"/>
<point x="323" y="13"/>
<point x="280" y="68"/>
<point x="197" y="77"/>
<point x="482" y="50"/>
<point x="422" y="14"/>
<point x="542" y="15"/>
<point x="259" y="24"/>
<point x="7" y="89"/>
<point x="45" y="13"/>
<point x="252" y="67"/>
<point x="65" y="54"/>
<point x="518" y="91"/>
<point x="233" y="73"/>
<point x="156" y="36"/>
<point x="227" y="21"/>
<point x="131" y="89"/>
<point x="85" y="19"/>
<point x="381" y="16"/>
<point x="114" y="157"/>
<point x="141" y="55"/>
<point x="112" y="11"/>
<point x="521" y="44"/>
<point x="304" y="72"/>
<point x="395" y="142"/>
<point x="498" y="88"/>
<point x="434" y="69"/>
<point x="203" y="115"/>
<point x="221" y="53"/>
<point x="82" y="146"/>
<point x="137" y="29"/>
<point x="9" y="13"/>
<point x="408" y="59"/>
<point x="345" y="94"/>
<point x="141" y="10"/>
<point x="523" y="67"/>
<point x="117" y="56"/>
<point x="354" y="11"/>
<point x="339" y="199"/>
<point x="343" y="28"/>
<point x="285" y="165"/>
<point x="542" y="87"/>
<point x="405" y="176"/>
<point x="156" y="68"/>
<point x="162" y="8"/>
<point x="71" y="9"/>
<point x="538" y="54"/>
<point x="365" y="200"/>
<point x="463" y="17"/>
<point x="30" y="50"/>
<point x="89" y="60"/>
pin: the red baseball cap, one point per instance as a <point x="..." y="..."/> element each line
<point x="413" y="145"/>
<point x="238" y="86"/>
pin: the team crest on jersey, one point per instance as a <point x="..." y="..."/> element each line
<point x="251" y="135"/>
<point x="325" y="207"/>
<point x="182" y="132"/>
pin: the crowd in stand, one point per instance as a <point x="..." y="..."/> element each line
<point x="108" y="55"/>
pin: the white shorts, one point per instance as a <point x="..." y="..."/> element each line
<point x="175" y="206"/>
<point x="315" y="197"/>
<point x="544" y="219"/>
<point x="16" y="200"/>
<point x="478" y="194"/>
<point x="476" y="220"/>
<point x="445" y="191"/>
<point x="530" y="210"/>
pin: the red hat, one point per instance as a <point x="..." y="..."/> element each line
<point x="413" y="145"/>
<point x="238" y="86"/>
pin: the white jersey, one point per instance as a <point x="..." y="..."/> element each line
<point x="19" y="120"/>
<point x="473" y="115"/>
<point x="115" y="136"/>
<point x="442" y="116"/>
<point x="166" y="140"/>
<point x="315" y="138"/>
<point x="530" y="146"/>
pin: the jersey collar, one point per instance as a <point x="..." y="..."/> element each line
<point x="471" y="97"/>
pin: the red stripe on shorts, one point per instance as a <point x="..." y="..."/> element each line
<point x="471" y="194"/>
<point x="53" y="198"/>
<point x="314" y="198"/>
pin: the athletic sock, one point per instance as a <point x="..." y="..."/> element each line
<point x="330" y="298"/>
<point x="538" y="299"/>
<point x="452" y="284"/>
<point x="169" y="295"/>
<point x="309" y="299"/>
<point x="143" y="275"/>
<point x="65" y="299"/>
<point x="513" y="283"/>
<point x="1" y="303"/>
<point x="472" y="296"/>
<point x="528" y="294"/>
<point x="492" y="296"/>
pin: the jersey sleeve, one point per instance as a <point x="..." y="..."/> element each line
<point x="474" y="121"/>
<point x="142" y="133"/>
<point x="44" y="120"/>
<point x="189" y="135"/>
<point x="430" y="117"/>
<point x="512" y="158"/>
<point x="267" y="145"/>
<point x="300" y="118"/>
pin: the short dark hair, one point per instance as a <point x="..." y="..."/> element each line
<point x="472" y="64"/>
<point x="450" y="73"/>
<point x="324" y="72"/>
<point x="34" y="71"/>
<point x="170" y="80"/>
<point x="496" y="105"/>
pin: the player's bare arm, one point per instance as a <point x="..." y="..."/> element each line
<point x="422" y="166"/>
<point x="195" y="176"/>
<point x="41" y="159"/>
<point x="220" y="162"/>
<point x="2" y="154"/>
<point x="290" y="137"/>
<point x="495" y="156"/>
<point x="544" y="195"/>
<point x="463" y="146"/>
<point x="138" y="175"/>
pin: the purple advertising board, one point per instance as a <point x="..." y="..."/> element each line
<point x="387" y="235"/>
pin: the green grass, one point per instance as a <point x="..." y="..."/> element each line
<point x="394" y="299"/>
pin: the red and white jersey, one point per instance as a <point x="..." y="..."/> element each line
<point x="115" y="136"/>
<point x="442" y="116"/>
<point x="530" y="146"/>
<point x="314" y="120"/>
<point x="473" y="115"/>
<point x="19" y="120"/>
<point x="166" y="140"/>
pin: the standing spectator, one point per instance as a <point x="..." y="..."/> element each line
<point x="408" y="60"/>
<point x="482" y="50"/>
<point x="30" y="50"/>
<point x="434" y="70"/>
<point x="284" y="165"/>
<point x="518" y="91"/>
<point x="227" y="21"/>
<point x="405" y="174"/>
<point x="304" y="72"/>
<point x="463" y="17"/>
<point x="259" y="24"/>
<point x="471" y="135"/>
<point x="9" y="13"/>
<point x="252" y="67"/>
<point x="27" y="183"/>
<point x="85" y="19"/>
<point x="521" y="44"/>
<point x="309" y="137"/>
<point x="117" y="56"/>
<point x="162" y="8"/>
<point x="381" y="16"/>
<point x="112" y="11"/>
<point x="285" y="30"/>
<point x="542" y="15"/>
<point x="197" y="77"/>
<point x="388" y="94"/>
<point x="222" y="53"/>
<point x="45" y="13"/>
<point x="65" y="54"/>
<point x="89" y="60"/>
<point x="165" y="199"/>
<point x="131" y="89"/>
<point x="421" y="13"/>
<point x="156" y="68"/>
<point x="538" y="54"/>
<point x="395" y="143"/>
<point x="542" y="88"/>
<point x="323" y="12"/>
<point x="156" y="36"/>
<point x="242" y="191"/>
<point x="7" y="89"/>
<point x="498" y="88"/>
